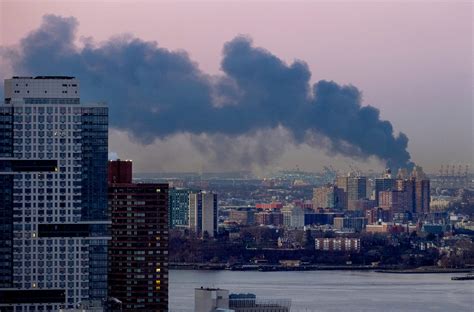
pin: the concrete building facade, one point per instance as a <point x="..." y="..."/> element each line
<point x="356" y="224"/>
<point x="203" y="213"/>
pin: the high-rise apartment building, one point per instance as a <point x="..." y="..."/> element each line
<point x="407" y="186"/>
<point x="178" y="208"/>
<point x="395" y="201"/>
<point x="293" y="216"/>
<point x="53" y="189"/>
<point x="138" y="250"/>
<point x="286" y="212"/>
<point x="422" y="196"/>
<point x="329" y="196"/>
<point x="386" y="183"/>
<point x="422" y="191"/>
<point x="417" y="188"/>
<point x="341" y="182"/>
<point x="356" y="188"/>
<point x="203" y="213"/>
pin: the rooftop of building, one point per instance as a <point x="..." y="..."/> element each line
<point x="209" y="288"/>
<point x="242" y="296"/>
<point x="44" y="77"/>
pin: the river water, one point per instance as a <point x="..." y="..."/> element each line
<point x="331" y="291"/>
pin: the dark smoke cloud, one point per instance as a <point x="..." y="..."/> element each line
<point x="156" y="93"/>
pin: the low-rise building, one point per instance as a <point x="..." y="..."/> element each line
<point x="337" y="244"/>
<point x="242" y="216"/>
<point x="377" y="214"/>
<point x="381" y="227"/>
<point x="350" y="223"/>
<point x="290" y="263"/>
<point x="436" y="229"/>
<point x="219" y="300"/>
<point x="466" y="225"/>
<point x="270" y="206"/>
<point x="210" y="299"/>
<point x="269" y="218"/>
<point x="251" y="303"/>
<point x="389" y="227"/>
<point x="360" y="204"/>
<point x="440" y="203"/>
<point x="321" y="218"/>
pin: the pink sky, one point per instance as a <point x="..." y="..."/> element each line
<point x="411" y="60"/>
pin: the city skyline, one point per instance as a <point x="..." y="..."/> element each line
<point x="430" y="139"/>
<point x="271" y="156"/>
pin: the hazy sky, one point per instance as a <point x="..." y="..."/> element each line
<point x="412" y="60"/>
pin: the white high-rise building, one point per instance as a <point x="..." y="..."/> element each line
<point x="293" y="216"/>
<point x="203" y="212"/>
<point x="211" y="300"/>
<point x="53" y="203"/>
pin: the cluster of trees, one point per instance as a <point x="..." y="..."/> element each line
<point x="461" y="255"/>
<point x="186" y="247"/>
<point x="463" y="204"/>
<point x="400" y="250"/>
<point x="261" y="243"/>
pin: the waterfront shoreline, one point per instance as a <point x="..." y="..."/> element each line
<point x="281" y="268"/>
<point x="427" y="271"/>
<point x="331" y="291"/>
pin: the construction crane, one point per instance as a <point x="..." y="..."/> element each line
<point x="452" y="177"/>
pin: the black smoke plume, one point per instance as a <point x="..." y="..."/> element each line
<point x="155" y="93"/>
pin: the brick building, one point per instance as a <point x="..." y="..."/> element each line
<point x="138" y="251"/>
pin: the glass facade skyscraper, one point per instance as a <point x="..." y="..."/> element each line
<point x="53" y="198"/>
<point x="356" y="188"/>
<point x="178" y="208"/>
